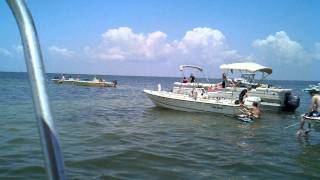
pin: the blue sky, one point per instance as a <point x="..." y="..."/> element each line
<point x="154" y="37"/>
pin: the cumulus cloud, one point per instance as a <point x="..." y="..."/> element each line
<point x="63" y="52"/>
<point x="124" y="44"/>
<point x="206" y="45"/>
<point x="203" y="38"/>
<point x="280" y="47"/>
<point x="5" y="52"/>
<point x="200" y="44"/>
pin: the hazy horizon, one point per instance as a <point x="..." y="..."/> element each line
<point x="152" y="38"/>
<point x="128" y="75"/>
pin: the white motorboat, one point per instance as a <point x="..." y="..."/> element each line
<point x="196" y="103"/>
<point x="315" y="88"/>
<point x="272" y="98"/>
<point x="55" y="80"/>
<point x="96" y="83"/>
<point x="61" y="80"/>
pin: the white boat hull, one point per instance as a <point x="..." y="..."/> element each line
<point x="189" y="104"/>
<point x="273" y="99"/>
<point x="95" y="83"/>
<point x="60" y="81"/>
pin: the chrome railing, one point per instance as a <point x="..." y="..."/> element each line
<point x="33" y="56"/>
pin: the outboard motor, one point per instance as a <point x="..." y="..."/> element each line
<point x="291" y="102"/>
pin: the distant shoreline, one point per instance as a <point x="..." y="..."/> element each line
<point x="58" y="73"/>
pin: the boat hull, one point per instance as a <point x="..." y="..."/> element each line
<point x="60" y="81"/>
<point x="57" y="81"/>
<point x="273" y="99"/>
<point x="188" y="104"/>
<point x="94" y="84"/>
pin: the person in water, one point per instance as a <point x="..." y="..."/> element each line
<point x="253" y="112"/>
<point x="185" y="80"/>
<point x="192" y="78"/>
<point x="314" y="109"/>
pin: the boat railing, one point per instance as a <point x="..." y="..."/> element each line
<point x="33" y="58"/>
<point x="218" y="99"/>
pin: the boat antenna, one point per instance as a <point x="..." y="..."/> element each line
<point x="33" y="57"/>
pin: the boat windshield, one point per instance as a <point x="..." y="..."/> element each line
<point x="197" y="72"/>
<point x="248" y="76"/>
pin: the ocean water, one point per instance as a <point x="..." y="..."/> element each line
<point x="118" y="133"/>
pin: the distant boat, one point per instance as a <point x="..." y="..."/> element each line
<point x="61" y="80"/>
<point x="315" y="88"/>
<point x="96" y="83"/>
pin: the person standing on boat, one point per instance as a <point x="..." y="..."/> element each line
<point x="224" y="80"/>
<point x="243" y="95"/>
<point x="314" y="109"/>
<point x="63" y="78"/>
<point x="192" y="78"/>
<point x="185" y="80"/>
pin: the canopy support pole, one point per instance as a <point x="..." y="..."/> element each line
<point x="33" y="57"/>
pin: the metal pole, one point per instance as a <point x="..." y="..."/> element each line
<point x="32" y="52"/>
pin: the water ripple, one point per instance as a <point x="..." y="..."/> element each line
<point x="117" y="133"/>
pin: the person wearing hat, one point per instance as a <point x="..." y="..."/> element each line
<point x="314" y="109"/>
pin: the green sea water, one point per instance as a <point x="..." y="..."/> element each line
<point x="118" y="133"/>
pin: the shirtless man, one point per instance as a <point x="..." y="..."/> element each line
<point x="314" y="109"/>
<point x="254" y="112"/>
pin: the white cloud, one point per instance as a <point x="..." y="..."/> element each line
<point x="202" y="37"/>
<point x="5" y="52"/>
<point x="64" y="52"/>
<point x="280" y="47"/>
<point x="18" y="48"/>
<point x="124" y="44"/>
<point x="200" y="44"/>
<point x="208" y="46"/>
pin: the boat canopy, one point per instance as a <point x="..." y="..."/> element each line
<point x="248" y="66"/>
<point x="182" y="67"/>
